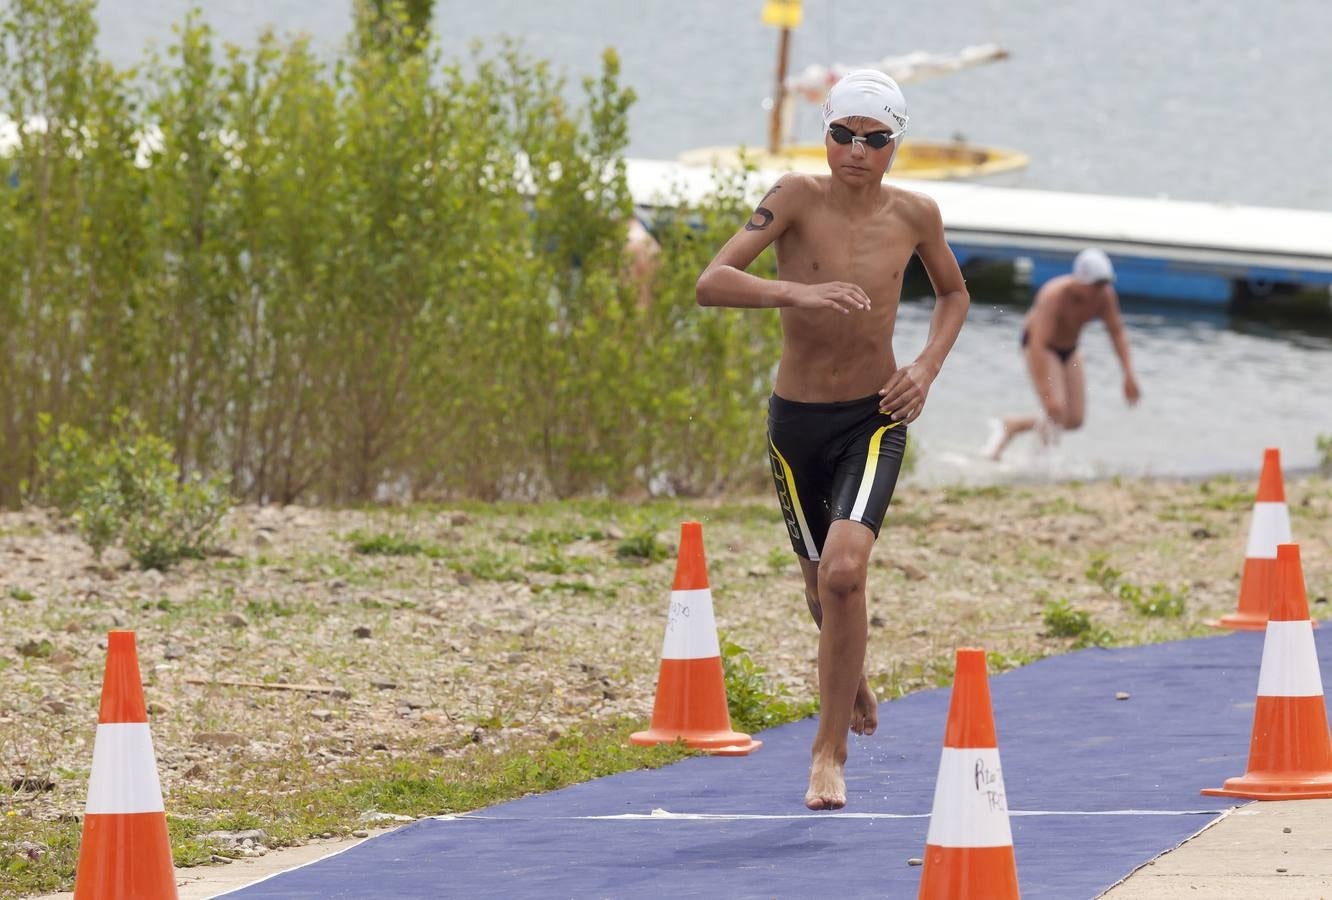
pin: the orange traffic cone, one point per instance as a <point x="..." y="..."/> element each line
<point x="1269" y="527"/>
<point x="1290" y="752"/>
<point x="691" y="690"/>
<point x="969" y="848"/>
<point x="125" y="852"/>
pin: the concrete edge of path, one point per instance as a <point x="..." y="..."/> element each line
<point x="1271" y="849"/>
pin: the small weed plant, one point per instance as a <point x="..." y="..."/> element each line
<point x="756" y="702"/>
<point x="1159" y="600"/>
<point x="1064" y="620"/>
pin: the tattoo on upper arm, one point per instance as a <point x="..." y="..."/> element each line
<point x="762" y="216"/>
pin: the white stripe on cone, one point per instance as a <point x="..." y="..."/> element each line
<point x="1270" y="526"/>
<point x="970" y="809"/>
<point x="691" y="630"/>
<point x="124" y="771"/>
<point x="1290" y="662"/>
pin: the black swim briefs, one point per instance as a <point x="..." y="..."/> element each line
<point x="832" y="461"/>
<point x="1062" y="352"/>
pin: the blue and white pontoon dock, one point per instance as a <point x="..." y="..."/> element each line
<point x="1213" y="254"/>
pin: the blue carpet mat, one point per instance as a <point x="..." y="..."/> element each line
<point x="1096" y="787"/>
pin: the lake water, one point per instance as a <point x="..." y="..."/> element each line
<point x="1204" y="101"/>
<point x="1219" y="101"/>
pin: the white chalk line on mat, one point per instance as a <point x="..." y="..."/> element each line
<point x="666" y="815"/>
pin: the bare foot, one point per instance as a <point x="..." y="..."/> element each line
<point x="1000" y="434"/>
<point x="827" y="786"/>
<point x="865" y="712"/>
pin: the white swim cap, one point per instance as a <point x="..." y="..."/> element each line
<point x="1092" y="265"/>
<point x="868" y="93"/>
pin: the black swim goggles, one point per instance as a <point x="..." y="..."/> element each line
<point x="875" y="139"/>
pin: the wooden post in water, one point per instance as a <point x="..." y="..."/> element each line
<point x="779" y="95"/>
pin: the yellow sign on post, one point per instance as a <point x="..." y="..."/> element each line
<point x="782" y="13"/>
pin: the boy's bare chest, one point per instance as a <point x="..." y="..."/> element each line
<point x="871" y="252"/>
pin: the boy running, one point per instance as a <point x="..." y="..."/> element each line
<point x="840" y="408"/>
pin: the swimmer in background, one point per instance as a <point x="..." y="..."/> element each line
<point x="1063" y="306"/>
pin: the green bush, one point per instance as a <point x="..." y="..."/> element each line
<point x="1323" y="443"/>
<point x="388" y="272"/>
<point x="129" y="491"/>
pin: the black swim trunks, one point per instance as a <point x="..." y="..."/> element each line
<point x="1062" y="352"/>
<point x="832" y="461"/>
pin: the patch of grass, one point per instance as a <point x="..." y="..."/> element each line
<point x="913" y="518"/>
<point x="1045" y="563"/>
<point x="490" y="567"/>
<point x="1099" y="636"/>
<point x="21" y="595"/>
<point x="52" y="870"/>
<point x="962" y="493"/>
<point x="642" y="546"/>
<point x="779" y="558"/>
<point x="1061" y="505"/>
<point x="1179" y="514"/>
<point x="559" y="537"/>
<point x="1063" y="620"/>
<point x="754" y="700"/>
<point x="556" y="563"/>
<point x="573" y="587"/>
<point x="1099" y="571"/>
<point x="384" y="544"/>
<point x="1220" y="493"/>
<point x="188" y="847"/>
<point x="209" y="603"/>
<point x="264" y="609"/>
<point x="1159" y="600"/>
<point x="907" y="677"/>
<point x="996" y="662"/>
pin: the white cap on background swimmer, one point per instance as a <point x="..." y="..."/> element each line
<point x="1092" y="265"/>
<point x="868" y="93"/>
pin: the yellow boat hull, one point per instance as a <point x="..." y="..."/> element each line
<point x="935" y="160"/>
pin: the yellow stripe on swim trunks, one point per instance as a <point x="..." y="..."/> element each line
<point x="867" y="480"/>
<point x="789" y="477"/>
